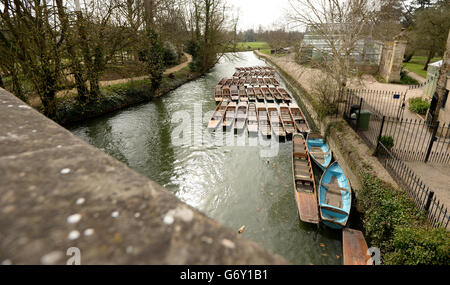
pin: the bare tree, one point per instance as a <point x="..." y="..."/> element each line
<point x="340" y="24"/>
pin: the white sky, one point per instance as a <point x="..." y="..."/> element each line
<point x="259" y="12"/>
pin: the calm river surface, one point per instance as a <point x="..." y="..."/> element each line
<point x="234" y="183"/>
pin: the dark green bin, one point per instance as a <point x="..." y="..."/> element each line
<point x="364" y="119"/>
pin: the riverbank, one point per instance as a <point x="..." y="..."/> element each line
<point x="390" y="219"/>
<point x="121" y="94"/>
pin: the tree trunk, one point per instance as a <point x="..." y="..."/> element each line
<point x="442" y="81"/>
<point x="2" y="85"/>
<point x="430" y="56"/>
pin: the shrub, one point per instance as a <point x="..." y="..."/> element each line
<point x="419" y="106"/>
<point x="412" y="246"/>
<point x="406" y="79"/>
<point x="387" y="141"/>
<point x="170" y="54"/>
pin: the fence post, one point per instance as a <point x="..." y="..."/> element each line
<point x="359" y="113"/>
<point x="428" y="204"/>
<point x="433" y="138"/>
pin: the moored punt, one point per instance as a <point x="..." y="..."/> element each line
<point x="226" y="93"/>
<point x="229" y="81"/>
<point x="335" y="197"/>
<point x="243" y="94"/>
<point x="252" y="119"/>
<point x="229" y="116"/>
<point x="354" y="248"/>
<point x="251" y="94"/>
<point x="286" y="96"/>
<point x="287" y="119"/>
<point x="222" y="81"/>
<point x="261" y="81"/>
<point x="299" y="119"/>
<point x="259" y="94"/>
<point x="275" y="93"/>
<point x="267" y="94"/>
<point x="236" y="74"/>
<point x="248" y="80"/>
<point x="276" y="122"/>
<point x="234" y="93"/>
<point x="254" y="80"/>
<point x="235" y="81"/>
<point x="275" y="82"/>
<point x="218" y="94"/>
<point x="263" y="120"/>
<point x="241" y="117"/>
<point x="242" y="81"/>
<point x="217" y="116"/>
<point x="304" y="186"/>
<point x="319" y="150"/>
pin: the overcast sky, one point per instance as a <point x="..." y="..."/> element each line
<point x="259" y="12"/>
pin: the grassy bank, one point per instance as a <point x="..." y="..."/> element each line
<point x="119" y="96"/>
<point x="390" y="219"/>
<point x="264" y="47"/>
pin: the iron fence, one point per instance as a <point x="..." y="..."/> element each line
<point x="424" y="198"/>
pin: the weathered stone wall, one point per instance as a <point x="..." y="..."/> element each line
<point x="58" y="192"/>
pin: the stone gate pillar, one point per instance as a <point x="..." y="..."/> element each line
<point x="392" y="58"/>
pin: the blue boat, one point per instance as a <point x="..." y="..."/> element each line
<point x="319" y="150"/>
<point x="335" y="197"/>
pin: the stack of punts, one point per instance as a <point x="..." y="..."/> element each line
<point x="230" y="115"/>
<point x="241" y="117"/>
<point x="287" y="119"/>
<point x="217" y="116"/>
<point x="243" y="94"/>
<point x="251" y="94"/>
<point x="277" y="95"/>
<point x="259" y="94"/>
<point x="234" y="93"/>
<point x="218" y="94"/>
<point x="318" y="150"/>
<point x="299" y="119"/>
<point x="263" y="120"/>
<point x="252" y="119"/>
<point x="304" y="185"/>
<point x="267" y="94"/>
<point x="226" y="93"/>
<point x="335" y="197"/>
<point x="275" y="121"/>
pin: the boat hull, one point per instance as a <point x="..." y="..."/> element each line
<point x="315" y="143"/>
<point x="335" y="197"/>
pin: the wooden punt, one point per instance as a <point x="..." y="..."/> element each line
<point x="318" y="150"/>
<point x="275" y="93"/>
<point x="275" y="82"/>
<point x="248" y="80"/>
<point x="226" y="93"/>
<point x="263" y="120"/>
<point x="235" y="81"/>
<point x="304" y="185"/>
<point x="218" y="94"/>
<point x="242" y="81"/>
<point x="241" y="117"/>
<point x="261" y="81"/>
<point x="252" y="119"/>
<point x="217" y="116"/>
<point x="234" y="93"/>
<point x="275" y="121"/>
<point x="223" y="81"/>
<point x="259" y="94"/>
<point x="299" y="119"/>
<point x="236" y="74"/>
<point x="267" y="94"/>
<point x="254" y="80"/>
<point x="287" y="119"/>
<point x="335" y="197"/>
<point x="251" y="94"/>
<point x="286" y="96"/>
<point x="243" y="94"/>
<point x="354" y="248"/>
<point x="229" y="116"/>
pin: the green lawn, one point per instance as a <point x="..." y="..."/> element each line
<point x="417" y="63"/>
<point x="245" y="46"/>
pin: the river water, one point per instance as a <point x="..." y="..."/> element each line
<point x="236" y="180"/>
